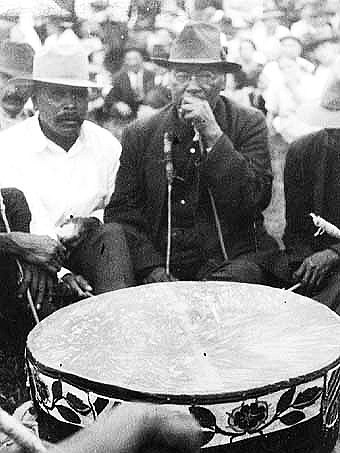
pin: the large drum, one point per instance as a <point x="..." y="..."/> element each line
<point x="258" y="367"/>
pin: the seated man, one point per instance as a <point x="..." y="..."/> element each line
<point x="40" y="257"/>
<point x="66" y="168"/>
<point x="311" y="179"/>
<point x="130" y="86"/>
<point x="213" y="156"/>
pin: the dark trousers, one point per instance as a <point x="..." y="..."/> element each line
<point x="241" y="269"/>
<point x="15" y="320"/>
<point x="103" y="259"/>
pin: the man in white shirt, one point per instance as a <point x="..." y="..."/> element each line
<point x="66" y="168"/>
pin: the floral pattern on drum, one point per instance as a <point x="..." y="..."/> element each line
<point x="222" y="423"/>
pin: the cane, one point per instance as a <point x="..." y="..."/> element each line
<point x="21" y="273"/>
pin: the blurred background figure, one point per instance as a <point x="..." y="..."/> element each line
<point x="244" y="82"/>
<point x="315" y="22"/>
<point x="130" y="86"/>
<point x="267" y="31"/>
<point x="321" y="52"/>
<point x="283" y="97"/>
<point x="16" y="60"/>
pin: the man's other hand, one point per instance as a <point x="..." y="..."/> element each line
<point x="136" y="428"/>
<point x="40" y="250"/>
<point x="76" y="286"/>
<point x="75" y="230"/>
<point x="158" y="275"/>
<point x="315" y="268"/>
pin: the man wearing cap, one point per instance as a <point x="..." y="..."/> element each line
<point x="311" y="180"/>
<point x="66" y="167"/>
<point x="16" y="59"/>
<point x="195" y="177"/>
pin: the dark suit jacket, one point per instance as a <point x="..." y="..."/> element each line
<point x="237" y="169"/>
<point x="122" y="91"/>
<point x="307" y="179"/>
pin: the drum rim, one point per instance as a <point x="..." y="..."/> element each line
<point x="123" y="393"/>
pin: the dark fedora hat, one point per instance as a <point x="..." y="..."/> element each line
<point x="16" y="59"/>
<point x="198" y="44"/>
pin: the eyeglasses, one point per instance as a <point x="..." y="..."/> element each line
<point x="201" y="77"/>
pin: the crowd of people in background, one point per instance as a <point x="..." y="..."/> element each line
<point x="285" y="61"/>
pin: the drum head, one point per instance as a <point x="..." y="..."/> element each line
<point x="189" y="338"/>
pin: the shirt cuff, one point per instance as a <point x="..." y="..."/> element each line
<point x="63" y="271"/>
<point x="98" y="214"/>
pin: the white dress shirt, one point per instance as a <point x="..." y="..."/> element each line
<point x="59" y="184"/>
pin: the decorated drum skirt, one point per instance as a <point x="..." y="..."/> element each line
<point x="258" y="367"/>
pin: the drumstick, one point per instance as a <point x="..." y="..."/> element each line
<point x="294" y="287"/>
<point x="20" y="434"/>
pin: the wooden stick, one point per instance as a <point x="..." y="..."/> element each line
<point x="294" y="287"/>
<point x="20" y="434"/>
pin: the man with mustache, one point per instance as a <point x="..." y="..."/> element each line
<point x="16" y="59"/>
<point x="195" y="177"/>
<point x="66" y="168"/>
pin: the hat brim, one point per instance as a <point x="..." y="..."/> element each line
<point x="59" y="81"/>
<point x="313" y="114"/>
<point x="13" y="72"/>
<point x="223" y="66"/>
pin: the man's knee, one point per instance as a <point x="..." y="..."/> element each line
<point x="17" y="210"/>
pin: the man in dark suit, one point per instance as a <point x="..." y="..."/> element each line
<point x="311" y="178"/>
<point x="130" y="86"/>
<point x="212" y="155"/>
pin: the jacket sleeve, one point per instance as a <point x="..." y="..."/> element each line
<point x="239" y="171"/>
<point x="127" y="202"/>
<point x="298" y="201"/>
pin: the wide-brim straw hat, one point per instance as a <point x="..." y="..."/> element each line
<point x="324" y="112"/>
<point x="16" y="59"/>
<point x="64" y="62"/>
<point x="198" y="44"/>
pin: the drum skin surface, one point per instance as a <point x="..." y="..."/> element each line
<point x="257" y="366"/>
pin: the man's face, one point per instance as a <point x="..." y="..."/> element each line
<point x="133" y="61"/>
<point x="13" y="95"/>
<point x="197" y="82"/>
<point x="62" y="109"/>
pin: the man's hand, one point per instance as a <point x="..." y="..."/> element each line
<point x="76" y="286"/>
<point x="158" y="275"/>
<point x="315" y="268"/>
<point x="199" y="113"/>
<point x="172" y="431"/>
<point x="136" y="428"/>
<point x="75" y="230"/>
<point x="39" y="250"/>
<point x="40" y="283"/>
